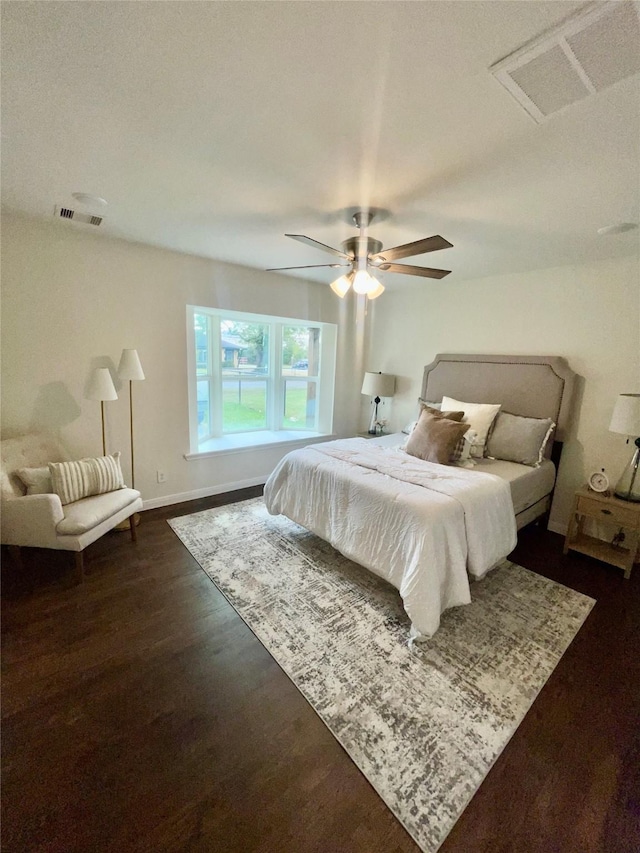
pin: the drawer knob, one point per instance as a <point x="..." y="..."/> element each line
<point x="605" y="511"/>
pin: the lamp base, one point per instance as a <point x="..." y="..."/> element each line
<point x="373" y="425"/>
<point x="124" y="525"/>
<point x="628" y="486"/>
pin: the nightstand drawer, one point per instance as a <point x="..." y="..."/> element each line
<point x="608" y="511"/>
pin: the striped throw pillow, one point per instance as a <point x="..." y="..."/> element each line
<point x="73" y="481"/>
<point x="462" y="450"/>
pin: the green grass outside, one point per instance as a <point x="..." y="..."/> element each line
<point x="250" y="414"/>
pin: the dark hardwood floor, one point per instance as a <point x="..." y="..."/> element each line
<point x="139" y="713"/>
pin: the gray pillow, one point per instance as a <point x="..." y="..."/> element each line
<point x="518" y="439"/>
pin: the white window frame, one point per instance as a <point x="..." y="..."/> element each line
<point x="275" y="382"/>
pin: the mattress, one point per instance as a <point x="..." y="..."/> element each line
<point x="528" y="485"/>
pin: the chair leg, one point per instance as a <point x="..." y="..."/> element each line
<point x="79" y="566"/>
<point x="132" y="526"/>
<point x="16" y="557"/>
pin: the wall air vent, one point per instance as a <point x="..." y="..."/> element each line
<point x="69" y="213"/>
<point x="589" y="51"/>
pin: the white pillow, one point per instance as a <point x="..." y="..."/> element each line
<point x="480" y="415"/>
<point x="37" y="480"/>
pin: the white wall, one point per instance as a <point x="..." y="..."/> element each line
<point x="588" y="314"/>
<point x="72" y="300"/>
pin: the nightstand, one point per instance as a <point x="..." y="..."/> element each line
<point x="623" y="515"/>
<point x="368" y="435"/>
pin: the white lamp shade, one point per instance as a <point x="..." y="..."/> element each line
<point x="130" y="367"/>
<point x="379" y="384"/>
<point x="101" y="386"/>
<point x="341" y="285"/>
<point x="364" y="282"/>
<point x="379" y="290"/>
<point x="626" y="415"/>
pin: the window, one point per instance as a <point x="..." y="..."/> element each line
<point x="257" y="379"/>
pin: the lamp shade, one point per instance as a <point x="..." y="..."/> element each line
<point x="341" y="285"/>
<point x="130" y="367"/>
<point x="101" y="386"/>
<point x="379" y="384"/>
<point x="626" y="415"/>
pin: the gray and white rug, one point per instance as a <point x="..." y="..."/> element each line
<point x="423" y="725"/>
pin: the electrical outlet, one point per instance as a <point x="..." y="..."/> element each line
<point x="162" y="477"/>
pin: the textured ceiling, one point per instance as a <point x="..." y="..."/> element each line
<point x="215" y="127"/>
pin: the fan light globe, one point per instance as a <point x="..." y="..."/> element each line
<point x="363" y="282"/>
<point x="341" y="285"/>
<point x="379" y="290"/>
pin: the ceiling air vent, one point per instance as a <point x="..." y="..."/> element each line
<point x="68" y="213"/>
<point x="586" y="53"/>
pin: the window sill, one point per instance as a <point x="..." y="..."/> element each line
<point x="245" y="442"/>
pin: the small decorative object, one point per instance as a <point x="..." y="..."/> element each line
<point x="599" y="482"/>
<point x="380" y="425"/>
<point x="626" y="420"/>
<point x="377" y="385"/>
<point x="101" y="388"/>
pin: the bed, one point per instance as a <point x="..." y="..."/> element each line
<point x="425" y="527"/>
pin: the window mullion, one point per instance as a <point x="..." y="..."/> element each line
<point x="215" y="383"/>
<point x="275" y="391"/>
<point x="192" y="379"/>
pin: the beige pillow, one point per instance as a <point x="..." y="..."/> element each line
<point x="438" y="413"/>
<point x="434" y="438"/>
<point x="73" y="481"/>
<point x="433" y="409"/>
<point x="37" y="480"/>
<point x="480" y="416"/>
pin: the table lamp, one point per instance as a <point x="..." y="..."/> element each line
<point x="626" y="420"/>
<point x="377" y="385"/>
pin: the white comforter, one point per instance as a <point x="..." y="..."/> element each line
<point x="419" y="525"/>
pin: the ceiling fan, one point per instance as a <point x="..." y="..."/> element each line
<point x="364" y="254"/>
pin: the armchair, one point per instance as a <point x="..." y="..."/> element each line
<point x="41" y="520"/>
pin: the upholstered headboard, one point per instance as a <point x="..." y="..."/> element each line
<point x="535" y="386"/>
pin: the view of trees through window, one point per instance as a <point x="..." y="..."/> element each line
<point x="248" y="379"/>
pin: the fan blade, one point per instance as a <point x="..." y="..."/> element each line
<point x="427" y="272"/>
<point x="408" y="250"/>
<point x="321" y="246"/>
<point x="307" y="267"/>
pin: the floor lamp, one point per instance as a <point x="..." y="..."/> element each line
<point x="101" y="388"/>
<point x="130" y="369"/>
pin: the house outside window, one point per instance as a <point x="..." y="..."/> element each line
<point x="257" y="378"/>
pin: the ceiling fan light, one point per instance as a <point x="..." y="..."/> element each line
<point x="378" y="291"/>
<point x="341" y="285"/>
<point x="363" y="282"/>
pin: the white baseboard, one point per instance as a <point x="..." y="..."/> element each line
<point x="181" y="497"/>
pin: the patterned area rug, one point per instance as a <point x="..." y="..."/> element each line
<point x="423" y="725"/>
